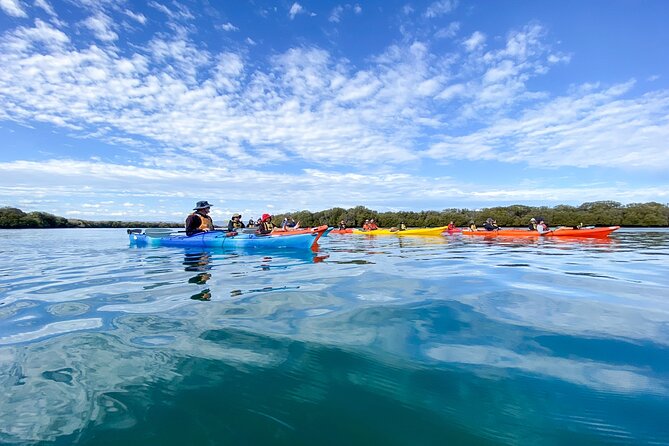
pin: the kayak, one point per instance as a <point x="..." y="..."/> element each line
<point x="224" y="239"/>
<point x="342" y="231"/>
<point x="319" y="230"/>
<point x="412" y="231"/>
<point x="559" y="232"/>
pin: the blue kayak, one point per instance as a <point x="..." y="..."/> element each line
<point x="224" y="239"/>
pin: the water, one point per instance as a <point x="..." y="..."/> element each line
<point x="393" y="341"/>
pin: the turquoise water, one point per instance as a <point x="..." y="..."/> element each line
<point x="393" y="341"/>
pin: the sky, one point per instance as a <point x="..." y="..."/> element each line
<point x="130" y="110"/>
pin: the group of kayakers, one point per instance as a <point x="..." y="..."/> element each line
<point x="201" y="221"/>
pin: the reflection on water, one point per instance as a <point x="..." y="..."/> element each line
<point x="369" y="340"/>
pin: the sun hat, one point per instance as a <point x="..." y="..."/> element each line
<point x="236" y="215"/>
<point x="265" y="217"/>
<point x="533" y="220"/>
<point x="202" y="205"/>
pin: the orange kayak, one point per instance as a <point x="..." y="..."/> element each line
<point x="559" y="232"/>
<point x="319" y="230"/>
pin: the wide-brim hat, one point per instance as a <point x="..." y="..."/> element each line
<point x="236" y="215"/>
<point x="265" y="217"/>
<point x="202" y="205"/>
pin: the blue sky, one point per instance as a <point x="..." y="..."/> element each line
<point x="136" y="110"/>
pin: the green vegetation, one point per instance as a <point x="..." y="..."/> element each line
<point x="13" y="218"/>
<point x="600" y="213"/>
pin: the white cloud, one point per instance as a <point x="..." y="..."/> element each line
<point x="440" y="8"/>
<point x="138" y="17"/>
<point x="295" y="9"/>
<point x="598" y="129"/>
<point x="335" y="14"/>
<point x="449" y="32"/>
<point x="475" y="41"/>
<point x="12" y="8"/>
<point x="102" y="26"/>
<point x="44" y="5"/>
<point x="229" y="27"/>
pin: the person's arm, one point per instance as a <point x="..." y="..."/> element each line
<point x="192" y="224"/>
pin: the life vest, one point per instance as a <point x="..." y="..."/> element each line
<point x="206" y="223"/>
<point x="237" y="223"/>
<point x="266" y="227"/>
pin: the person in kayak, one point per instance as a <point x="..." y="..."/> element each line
<point x="490" y="225"/>
<point x="266" y="226"/>
<point x="403" y="226"/>
<point x="342" y="225"/>
<point x="451" y="226"/>
<point x="251" y="223"/>
<point x="199" y="221"/>
<point x="542" y="227"/>
<point x="472" y="226"/>
<point x="236" y="222"/>
<point x="289" y="224"/>
<point x="533" y="224"/>
<point x="372" y="226"/>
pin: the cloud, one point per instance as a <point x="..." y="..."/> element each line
<point x="475" y="41"/>
<point x="229" y="27"/>
<point x="440" y="8"/>
<point x="335" y="14"/>
<point x="295" y="9"/>
<point x="600" y="128"/>
<point x="102" y="27"/>
<point x="449" y="32"/>
<point x="44" y="5"/>
<point x="13" y="8"/>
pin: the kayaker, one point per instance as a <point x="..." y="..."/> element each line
<point x="533" y="224"/>
<point x="289" y="224"/>
<point x="451" y="226"/>
<point x="490" y="225"/>
<point x="251" y="223"/>
<point x="472" y="226"/>
<point x="236" y="222"/>
<point x="342" y="225"/>
<point x="403" y="227"/>
<point x="365" y="226"/>
<point x="199" y="221"/>
<point x="266" y="226"/>
<point x="372" y="225"/>
<point x="542" y="227"/>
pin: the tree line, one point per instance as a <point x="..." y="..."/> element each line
<point x="598" y="213"/>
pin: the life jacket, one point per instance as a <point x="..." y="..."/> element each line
<point x="237" y="223"/>
<point x="266" y="227"/>
<point x="372" y="227"/>
<point x="451" y="227"/>
<point x="206" y="223"/>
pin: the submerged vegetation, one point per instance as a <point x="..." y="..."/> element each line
<point x="600" y="213"/>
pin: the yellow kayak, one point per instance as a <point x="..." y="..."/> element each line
<point x="412" y="231"/>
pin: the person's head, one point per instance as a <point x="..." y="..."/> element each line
<point x="266" y="217"/>
<point x="202" y="206"/>
<point x="236" y="216"/>
<point x="533" y="220"/>
<point x="489" y="220"/>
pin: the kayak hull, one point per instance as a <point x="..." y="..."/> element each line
<point x="412" y="231"/>
<point x="220" y="239"/>
<point x="566" y="232"/>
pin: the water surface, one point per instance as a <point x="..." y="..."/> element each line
<point x="369" y="340"/>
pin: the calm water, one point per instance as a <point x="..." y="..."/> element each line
<point x="389" y="341"/>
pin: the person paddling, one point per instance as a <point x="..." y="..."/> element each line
<point x="235" y="222"/>
<point x="199" y="221"/>
<point x="266" y="226"/>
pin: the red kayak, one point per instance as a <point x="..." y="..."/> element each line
<point x="342" y="231"/>
<point x="559" y="232"/>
